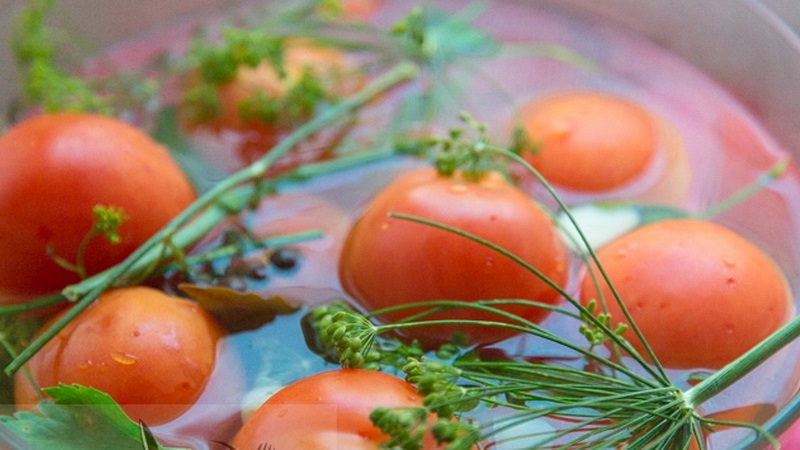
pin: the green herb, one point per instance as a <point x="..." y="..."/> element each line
<point x="48" y="80"/>
<point x="466" y="154"/>
<point x="44" y="83"/>
<point x="602" y="403"/>
<point x="435" y="38"/>
<point x="79" y="418"/>
<point x="239" y="48"/>
<point x="352" y="341"/>
<point x="16" y="332"/>
<point x="106" y="222"/>
<point x="212" y="207"/>
<point x="300" y="101"/>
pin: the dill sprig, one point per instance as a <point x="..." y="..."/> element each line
<point x="106" y="221"/>
<point x="52" y="82"/>
<point x="35" y="48"/>
<point x="603" y="402"/>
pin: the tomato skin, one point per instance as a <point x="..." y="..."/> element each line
<point x="589" y="141"/>
<point x="63" y="166"/>
<point x="328" y="410"/>
<point x="701" y="294"/>
<point x="151" y="352"/>
<point x="388" y="261"/>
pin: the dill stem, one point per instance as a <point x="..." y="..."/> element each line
<point x="401" y="72"/>
<point x="41" y="302"/>
<point x="743" y="365"/>
<point x="234" y="200"/>
<point x="776" y="171"/>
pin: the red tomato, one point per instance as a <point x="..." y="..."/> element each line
<point x="589" y="141"/>
<point x="328" y="410"/>
<point x="56" y="169"/>
<point x="388" y="261"/>
<point x="701" y="294"/>
<point x="250" y="138"/>
<point x="151" y="352"/>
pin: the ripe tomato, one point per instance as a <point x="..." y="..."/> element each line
<point x="328" y="410"/>
<point x="151" y="352"/>
<point x="589" y="141"/>
<point x="701" y="294"/>
<point x="250" y="137"/>
<point x="388" y="261"/>
<point x="57" y="168"/>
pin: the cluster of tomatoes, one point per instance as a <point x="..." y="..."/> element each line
<point x="701" y="294"/>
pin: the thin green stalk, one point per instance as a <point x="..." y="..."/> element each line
<point x="42" y="302"/>
<point x="13" y="353"/>
<point x="659" y="372"/>
<point x="747" y="191"/>
<point x="533" y="330"/>
<point x="232" y="201"/>
<point x="722" y="379"/>
<point x="231" y="250"/>
<point x="401" y="72"/>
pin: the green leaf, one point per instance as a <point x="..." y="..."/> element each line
<point x="79" y="418"/>
<point x="438" y="38"/>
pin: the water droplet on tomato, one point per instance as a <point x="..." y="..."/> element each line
<point x="124" y="359"/>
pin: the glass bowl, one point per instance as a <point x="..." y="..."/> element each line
<point x="745" y="47"/>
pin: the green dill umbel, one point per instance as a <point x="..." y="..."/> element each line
<point x="106" y="221"/>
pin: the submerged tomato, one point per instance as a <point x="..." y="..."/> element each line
<point x="250" y="135"/>
<point x="589" y="141"/>
<point x="56" y="169"/>
<point x="150" y="352"/>
<point x="388" y="261"/>
<point x="701" y="294"/>
<point x="328" y="410"/>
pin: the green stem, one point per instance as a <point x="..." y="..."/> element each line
<point x="42" y="302"/>
<point x="232" y="201"/>
<point x="747" y="191"/>
<point x="232" y="250"/>
<point x="735" y="370"/>
<point x="401" y="72"/>
<point x="658" y="371"/>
